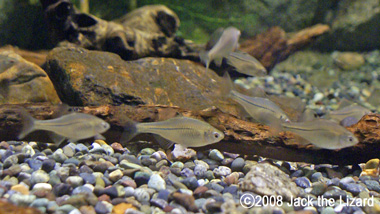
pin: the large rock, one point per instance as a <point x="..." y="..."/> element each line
<point x="291" y="15"/>
<point x="265" y="179"/>
<point x="22" y="81"/>
<point x="85" y="78"/>
<point x="355" y="26"/>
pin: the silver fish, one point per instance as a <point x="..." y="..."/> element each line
<point x="355" y="111"/>
<point x="73" y="126"/>
<point x="323" y="133"/>
<point x="227" y="43"/>
<point x="261" y="109"/>
<point x="246" y="64"/>
<point x="186" y="131"/>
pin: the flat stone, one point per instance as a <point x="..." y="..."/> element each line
<point x="79" y="74"/>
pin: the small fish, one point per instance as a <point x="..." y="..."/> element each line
<point x="73" y="126"/>
<point x="322" y="133"/>
<point x="227" y="43"/>
<point x="246" y="64"/>
<point x="186" y="131"/>
<point x="355" y="111"/>
<point x="261" y="109"/>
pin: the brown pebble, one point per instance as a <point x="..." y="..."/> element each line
<point x="4" y="145"/>
<point x="129" y="183"/>
<point x="104" y="197"/>
<point x="121" y="208"/>
<point x="6" y="207"/>
<point x="117" y="201"/>
<point x="168" y="208"/>
<point x="188" y="201"/>
<point x="41" y="193"/>
<point x="117" y="147"/>
<point x="232" y="178"/>
<point x="87" y="210"/>
<point x="21" y="189"/>
<point x="199" y="191"/>
<point x="371" y="168"/>
<point x="130" y="172"/>
<point x="12" y="171"/>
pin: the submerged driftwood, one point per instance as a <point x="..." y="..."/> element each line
<point x="242" y="137"/>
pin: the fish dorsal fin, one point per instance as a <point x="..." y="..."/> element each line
<point x="62" y="109"/>
<point x="345" y="103"/>
<point x="130" y="131"/>
<point x="164" y="143"/>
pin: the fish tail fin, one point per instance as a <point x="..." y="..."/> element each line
<point x="28" y="123"/>
<point x="203" y="55"/>
<point x="130" y="131"/>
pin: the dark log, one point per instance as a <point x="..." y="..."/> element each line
<point x="242" y="137"/>
<point x="275" y="45"/>
<point x="146" y="31"/>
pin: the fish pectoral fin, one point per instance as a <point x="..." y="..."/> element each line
<point x="56" y="138"/>
<point x="302" y="142"/>
<point x="164" y="143"/>
<point x="99" y="137"/>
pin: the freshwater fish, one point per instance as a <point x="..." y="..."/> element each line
<point x="246" y="64"/>
<point x="73" y="126"/>
<point x="227" y="43"/>
<point x="261" y="109"/>
<point x="322" y="133"/>
<point x="355" y="111"/>
<point x="186" y="131"/>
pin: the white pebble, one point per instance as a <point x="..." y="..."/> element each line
<point x="42" y="186"/>
<point x="318" y="97"/>
<point x="156" y="182"/>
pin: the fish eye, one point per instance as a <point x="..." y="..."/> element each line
<point x="216" y="135"/>
<point x="105" y="125"/>
<point x="350" y="139"/>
